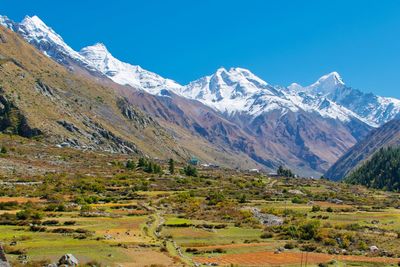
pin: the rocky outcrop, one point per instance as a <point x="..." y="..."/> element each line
<point x="139" y="119"/>
<point x="12" y="121"/>
<point x="3" y="259"/>
<point x="102" y="136"/>
<point x="3" y="38"/>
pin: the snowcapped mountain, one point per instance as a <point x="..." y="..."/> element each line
<point x="123" y="73"/>
<point x="232" y="91"/>
<point x="94" y="58"/>
<point x="239" y="91"/>
<point x="305" y="128"/>
<point x="373" y="110"/>
<point x="37" y="33"/>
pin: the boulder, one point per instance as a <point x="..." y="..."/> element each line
<point x="373" y="249"/>
<point x="68" y="260"/>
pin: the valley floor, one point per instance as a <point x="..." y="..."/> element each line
<point x="55" y="201"/>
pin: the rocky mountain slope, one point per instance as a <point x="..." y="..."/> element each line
<point x="233" y="111"/>
<point x="386" y="136"/>
<point x="41" y="98"/>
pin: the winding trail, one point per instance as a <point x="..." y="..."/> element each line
<point x="155" y="225"/>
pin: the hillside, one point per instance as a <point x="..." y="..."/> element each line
<point x="385" y="136"/>
<point x="382" y="171"/>
<point x="41" y="98"/>
<point x="75" y="109"/>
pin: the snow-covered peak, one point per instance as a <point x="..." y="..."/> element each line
<point x="327" y="84"/>
<point x="34" y="28"/>
<point x="37" y="33"/>
<point x="295" y="87"/>
<point x="100" y="58"/>
<point x="6" y="22"/>
<point x="124" y="73"/>
<point x="232" y="90"/>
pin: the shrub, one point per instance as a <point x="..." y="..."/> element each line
<point x="266" y="235"/>
<point x="297" y="200"/>
<point x="50" y="222"/>
<point x="308" y="247"/>
<point x="315" y="208"/>
<point x="329" y="209"/>
<point x="35" y="228"/>
<point x="289" y="245"/>
<point x="3" y="150"/>
<point x="309" y="230"/>
<point x="9" y="205"/>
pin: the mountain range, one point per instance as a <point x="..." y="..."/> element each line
<point x="242" y="120"/>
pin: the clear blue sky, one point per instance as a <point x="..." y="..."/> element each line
<point x="281" y="41"/>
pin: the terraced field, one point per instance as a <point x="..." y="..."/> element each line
<point x="107" y="214"/>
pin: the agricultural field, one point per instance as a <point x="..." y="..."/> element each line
<point x="113" y="210"/>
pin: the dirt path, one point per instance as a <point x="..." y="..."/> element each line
<point x="154" y="231"/>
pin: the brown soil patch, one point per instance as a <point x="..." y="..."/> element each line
<point x="270" y="258"/>
<point x="21" y="199"/>
<point x="146" y="257"/>
<point x="326" y="204"/>
<point x="235" y="246"/>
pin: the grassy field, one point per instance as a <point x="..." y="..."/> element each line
<point x="108" y="215"/>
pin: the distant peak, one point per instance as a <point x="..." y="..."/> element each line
<point x="35" y="20"/>
<point x="235" y="70"/>
<point x="96" y="48"/>
<point x="331" y="77"/>
<point x="100" y="45"/>
<point x="327" y="84"/>
<point x="295" y="87"/>
<point x="221" y="69"/>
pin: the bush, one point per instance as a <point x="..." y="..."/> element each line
<point x="329" y="209"/>
<point x="50" y="222"/>
<point x="35" y="228"/>
<point x="308" y="247"/>
<point x="266" y="235"/>
<point x="289" y="245"/>
<point x="3" y="150"/>
<point x="329" y="242"/>
<point x="9" y="205"/>
<point x="215" y="197"/>
<point x="309" y="230"/>
<point x="315" y="208"/>
<point x="297" y="200"/>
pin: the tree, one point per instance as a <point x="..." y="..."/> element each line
<point x="190" y="170"/>
<point x="142" y="162"/>
<point x="284" y="172"/>
<point x="3" y="150"/>
<point x="382" y="171"/>
<point x="171" y="166"/>
<point x="130" y="165"/>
